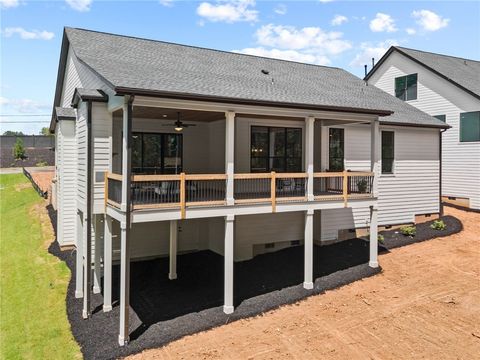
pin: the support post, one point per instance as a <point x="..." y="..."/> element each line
<point x="172" y="275"/>
<point x="229" y="245"/>
<point x="373" y="237"/>
<point x="309" y="151"/>
<point x="87" y="268"/>
<point x="97" y="270"/>
<point x="308" y="276"/>
<point x="229" y="154"/>
<point x="107" y="264"/>
<point x="123" y="336"/>
<point x="79" y="266"/>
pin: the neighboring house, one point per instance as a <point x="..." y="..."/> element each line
<point x="281" y="153"/>
<point x="448" y="88"/>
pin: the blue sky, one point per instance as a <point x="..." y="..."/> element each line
<point x="344" y="34"/>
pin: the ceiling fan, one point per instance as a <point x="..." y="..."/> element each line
<point x="179" y="124"/>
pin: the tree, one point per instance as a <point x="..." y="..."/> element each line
<point x="13" y="133"/>
<point x="19" y="150"/>
<point x="45" y="131"/>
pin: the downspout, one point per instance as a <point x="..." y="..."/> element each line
<point x="440" y="170"/>
<point x="88" y="252"/>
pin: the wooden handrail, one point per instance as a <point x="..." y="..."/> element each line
<point x="206" y="177"/>
<point x="114" y="176"/>
<point x="136" y="178"/>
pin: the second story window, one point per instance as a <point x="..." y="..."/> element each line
<point x="470" y="126"/>
<point x="406" y="87"/>
<point x="275" y="149"/>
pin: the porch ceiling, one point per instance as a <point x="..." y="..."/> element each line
<point x="171" y="114"/>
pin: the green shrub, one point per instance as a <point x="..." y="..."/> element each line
<point x="408" y="230"/>
<point x="381" y="238"/>
<point x="19" y="150"/>
<point x="41" y="163"/>
<point x="438" y="225"/>
<point x="362" y="186"/>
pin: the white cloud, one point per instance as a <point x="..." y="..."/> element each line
<point x="383" y="22"/>
<point x="229" y="11"/>
<point x="369" y="50"/>
<point x="411" y="31"/>
<point x="339" y="20"/>
<point x="325" y="1"/>
<point x="79" y="5"/>
<point x="6" y="4"/>
<point x="28" y="35"/>
<point x="281" y="9"/>
<point x="167" y="3"/>
<point x="307" y="38"/>
<point x="291" y="55"/>
<point x="23" y="106"/>
<point x="309" y="44"/>
<point x="429" y="21"/>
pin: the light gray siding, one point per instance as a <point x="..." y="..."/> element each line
<point x="437" y="96"/>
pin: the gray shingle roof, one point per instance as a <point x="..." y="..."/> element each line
<point x="65" y="113"/>
<point x="463" y="72"/>
<point x="166" y="68"/>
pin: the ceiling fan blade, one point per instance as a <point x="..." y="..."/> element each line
<point x="168" y="125"/>
<point x="187" y="125"/>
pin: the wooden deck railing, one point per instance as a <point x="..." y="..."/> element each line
<point x="185" y="190"/>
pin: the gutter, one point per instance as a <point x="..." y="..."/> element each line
<point x="440" y="148"/>
<point x="431" y="126"/>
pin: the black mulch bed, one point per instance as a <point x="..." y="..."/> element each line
<point x="394" y="239"/>
<point x="163" y="310"/>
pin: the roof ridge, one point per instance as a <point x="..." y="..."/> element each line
<point x="202" y="48"/>
<point x="437" y="54"/>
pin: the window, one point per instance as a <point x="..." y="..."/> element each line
<point x="441" y="117"/>
<point x="388" y="151"/>
<point x="275" y="149"/>
<point x="406" y="87"/>
<point x="335" y="149"/>
<point x="470" y="126"/>
<point x="154" y="153"/>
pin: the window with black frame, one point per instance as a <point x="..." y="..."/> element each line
<point x="275" y="149"/>
<point x="156" y="153"/>
<point x="336" y="153"/>
<point x="388" y="151"/>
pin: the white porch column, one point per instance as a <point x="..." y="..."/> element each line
<point x="229" y="238"/>
<point x="373" y="238"/>
<point x="123" y="336"/>
<point x="172" y="275"/>
<point x="376" y="169"/>
<point x="107" y="265"/>
<point x="308" y="277"/>
<point x="79" y="266"/>
<point x="87" y="269"/>
<point x="309" y="151"/>
<point x="97" y="270"/>
<point x="229" y="153"/>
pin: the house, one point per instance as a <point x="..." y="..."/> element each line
<point x="165" y="149"/>
<point x="448" y="88"/>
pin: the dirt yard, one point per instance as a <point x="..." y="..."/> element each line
<point x="425" y="304"/>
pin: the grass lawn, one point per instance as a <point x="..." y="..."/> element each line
<point x="33" y="283"/>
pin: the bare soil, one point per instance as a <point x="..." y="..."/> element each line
<point x="424" y="304"/>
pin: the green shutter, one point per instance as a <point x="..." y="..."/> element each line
<point x="400" y="85"/>
<point x="470" y="126"/>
